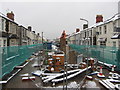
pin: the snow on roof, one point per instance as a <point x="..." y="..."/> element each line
<point x="50" y="53"/>
<point x="77" y="33"/>
<point x="70" y="35"/>
<point x="98" y="24"/>
<point x="115" y="17"/>
<point x="58" y="55"/>
<point x="115" y="36"/>
<point x="50" y="59"/>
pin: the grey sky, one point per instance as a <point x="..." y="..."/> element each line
<point x="54" y="17"/>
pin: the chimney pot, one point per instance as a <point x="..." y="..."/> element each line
<point x="38" y="34"/>
<point x="10" y="15"/>
<point x="29" y="28"/>
<point x="63" y="35"/>
<point x="99" y="18"/>
<point x="77" y="30"/>
<point x="85" y="26"/>
<point x="33" y="31"/>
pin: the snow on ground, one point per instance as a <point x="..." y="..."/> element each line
<point x="54" y="47"/>
<point x="91" y="84"/>
<point x="73" y="85"/>
<point x="35" y="63"/>
<point x="37" y="72"/>
<point x="70" y="85"/>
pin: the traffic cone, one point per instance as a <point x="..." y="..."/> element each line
<point x="53" y="84"/>
<point x="113" y="68"/>
<point x="100" y="74"/>
<point x="100" y="71"/>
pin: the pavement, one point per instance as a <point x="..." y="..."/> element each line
<point x="16" y="81"/>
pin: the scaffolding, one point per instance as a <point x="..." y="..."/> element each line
<point x="13" y="56"/>
<point x="105" y="54"/>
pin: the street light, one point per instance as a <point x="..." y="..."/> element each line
<point x="65" y="67"/>
<point x="84" y="20"/>
<point x="87" y="42"/>
<point x="87" y="27"/>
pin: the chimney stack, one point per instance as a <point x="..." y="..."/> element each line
<point x="38" y="34"/>
<point x="63" y="35"/>
<point x="33" y="31"/>
<point x="10" y="15"/>
<point x="77" y="30"/>
<point x="99" y="18"/>
<point x="29" y="28"/>
<point x="85" y="26"/>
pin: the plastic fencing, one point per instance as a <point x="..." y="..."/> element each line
<point x="105" y="54"/>
<point x="15" y="55"/>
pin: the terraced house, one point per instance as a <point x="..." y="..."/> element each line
<point x="3" y="33"/>
<point x="101" y="33"/>
<point x="13" y="34"/>
<point x="9" y="31"/>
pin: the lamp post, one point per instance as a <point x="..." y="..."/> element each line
<point x="42" y="37"/>
<point x="84" y="20"/>
<point x="87" y="27"/>
<point x="118" y="32"/>
<point x="87" y="42"/>
<point x="65" y="71"/>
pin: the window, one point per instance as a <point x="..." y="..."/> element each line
<point x="88" y="43"/>
<point x="114" y="26"/>
<point x="88" y="33"/>
<point x="2" y="24"/>
<point x="103" y="43"/>
<point x="119" y="44"/>
<point x="4" y="43"/>
<point x="85" y="34"/>
<point x="91" y="32"/>
<point x="23" y="32"/>
<point x="100" y="31"/>
<point x="105" y="29"/>
<point x="12" y="42"/>
<point x="114" y="23"/>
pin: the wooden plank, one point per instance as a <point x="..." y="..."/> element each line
<point x="105" y="85"/>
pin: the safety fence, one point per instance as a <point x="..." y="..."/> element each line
<point x="15" y="55"/>
<point x="105" y="54"/>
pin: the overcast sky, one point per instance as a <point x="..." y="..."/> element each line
<point x="54" y="17"/>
